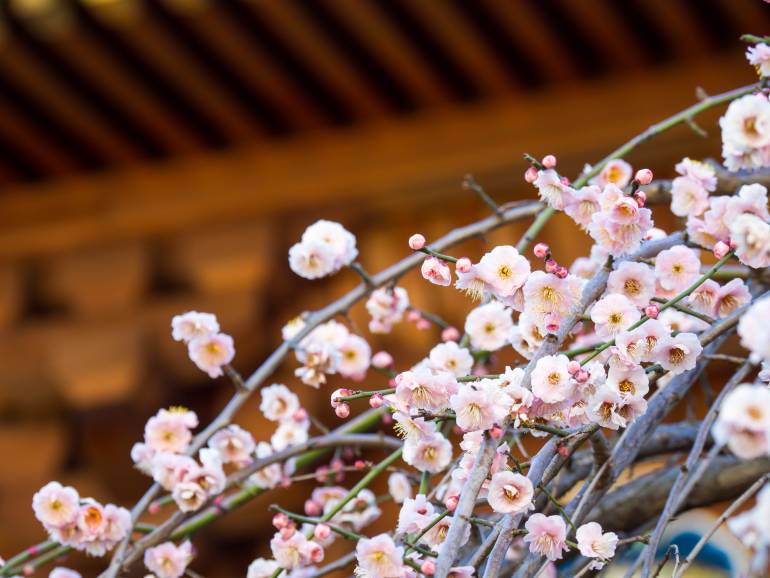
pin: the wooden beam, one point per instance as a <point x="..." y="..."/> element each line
<point x="160" y="50"/>
<point x="461" y="41"/>
<point x="254" y="64"/>
<point x="298" y="31"/>
<point x="419" y="155"/>
<point x="372" y="27"/>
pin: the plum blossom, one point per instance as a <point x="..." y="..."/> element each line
<point x="325" y="248"/>
<point x="479" y="406"/>
<point x="379" y="557"/>
<point x="169" y="430"/>
<point x="355" y="356"/>
<point x="582" y="204"/>
<point x="613" y="314"/>
<point x="489" y="325"/>
<point x="743" y="423"/>
<point x="424" y="389"/>
<point x="703" y="173"/>
<point x="436" y="271"/>
<point x="733" y="295"/>
<point x="551" y="189"/>
<point x="270" y="476"/>
<point x="510" y="493"/>
<point x="678" y="354"/>
<point x="746" y="132"/>
<point x="751" y="236"/>
<point x="450" y="357"/>
<point x="688" y="197"/>
<point x="593" y="543"/>
<point x="234" y="444"/>
<point x="386" y="306"/>
<point x="677" y="268"/>
<point x="503" y="270"/>
<point x="635" y="281"/>
<point x="289" y="433"/>
<point x="546" y="296"/>
<point x="192" y="324"/>
<point x="415" y="515"/>
<point x="278" y="403"/>
<point x="546" y="535"/>
<point x="759" y="56"/>
<point x="431" y="453"/>
<point x="399" y="487"/>
<point x="211" y="352"/>
<point x="56" y="505"/>
<point x="628" y="381"/>
<point x="551" y="380"/>
<point x="261" y="568"/>
<point x="754" y="331"/>
<point x="616" y="172"/>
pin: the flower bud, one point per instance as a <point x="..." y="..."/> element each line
<point x="413" y="316"/>
<point x="496" y="432"/>
<point x="530" y="175"/>
<point x="342" y="410"/>
<point x="382" y="359"/>
<point x="451" y="503"/>
<point x="423" y="325"/>
<point x="721" y="249"/>
<point x="322" y="531"/>
<point x="549" y="161"/>
<point x="450" y="334"/>
<point x="300" y="415"/>
<point x="562" y="272"/>
<point x="288" y="531"/>
<point x="428" y="567"/>
<point x="652" y="311"/>
<point x="280" y="521"/>
<point x="416" y="242"/>
<point x="641" y="198"/>
<point x="541" y="250"/>
<point x="644" y="176"/>
<point x="359" y="464"/>
<point x="153" y="508"/>
<point x="581" y="376"/>
<point x="376" y="400"/>
<point x="463" y="265"/>
<point x="313" y="508"/>
<point x="573" y="367"/>
<point x="342" y="392"/>
<point x="551" y="266"/>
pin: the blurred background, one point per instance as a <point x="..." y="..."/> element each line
<point x="162" y="155"/>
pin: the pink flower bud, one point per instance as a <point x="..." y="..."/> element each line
<point x="382" y="359"/>
<point x="496" y="432"/>
<point x="562" y="272"/>
<point x="652" y="311"/>
<point x="280" y="521"/>
<point x="376" y="400"/>
<point x="316" y="552"/>
<point x="563" y="451"/>
<point x="549" y="161"/>
<point x="300" y="415"/>
<point x="641" y="198"/>
<point x="337" y="465"/>
<point x="530" y="175"/>
<point x="342" y="392"/>
<point x="565" y="181"/>
<point x="288" y="531"/>
<point x="322" y="531"/>
<point x="423" y="324"/>
<point x="416" y="242"/>
<point x="428" y="567"/>
<point x="451" y="503"/>
<point x="154" y="508"/>
<point x="342" y="410"/>
<point x="413" y="316"/>
<point x="29" y="570"/>
<point x="721" y="249"/>
<point x="541" y="250"/>
<point x="285" y="482"/>
<point x="321" y="473"/>
<point x="551" y="266"/>
<point x="450" y="334"/>
<point x="733" y="244"/>
<point x="313" y="508"/>
<point x="644" y="176"/>
<point x="573" y="367"/>
<point x="463" y="265"/>
<point x="581" y="376"/>
<point x="359" y="464"/>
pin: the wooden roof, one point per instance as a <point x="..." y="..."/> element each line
<point x="98" y="84"/>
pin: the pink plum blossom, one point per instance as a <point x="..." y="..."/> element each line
<point x="192" y="324"/>
<point x="616" y="172"/>
<point x="167" y="560"/>
<point x="450" y="357"/>
<point x="261" y="568"/>
<point x="436" y="271"/>
<point x="478" y="406"/>
<point x="677" y="268"/>
<point x="551" y="380"/>
<point x="56" y="505"/>
<point x="593" y="543"/>
<point x="743" y="423"/>
<point x="754" y="331"/>
<point x="759" y="56"/>
<point x="399" y="487"/>
<point x="635" y="281"/>
<point x="510" y="493"/>
<point x="278" y="403"/>
<point x="415" y="515"/>
<point x="488" y="326"/>
<point x="613" y="314"/>
<point x="503" y="270"/>
<point x="386" y="307"/>
<point x="380" y="557"/>
<point x="428" y="454"/>
<point x="211" y="352"/>
<point x="688" y="197"/>
<point x="234" y="444"/>
<point x="546" y="535"/>
<point x="678" y="354"/>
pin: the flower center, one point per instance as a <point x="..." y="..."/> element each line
<point x="754" y="413"/>
<point x="676" y="355"/>
<point x="632" y="286"/>
<point x="554" y="378"/>
<point x="616" y="318"/>
<point x="504" y="272"/>
<point x="510" y="491"/>
<point x="750" y="126"/>
<point x="627" y="386"/>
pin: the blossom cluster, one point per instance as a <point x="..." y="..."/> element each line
<point x="209" y="349"/>
<point x="81" y="523"/>
<point x="325" y="248"/>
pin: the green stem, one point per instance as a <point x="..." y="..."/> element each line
<point x="365" y="394"/>
<point x="688" y="311"/>
<point x="558" y="506"/>
<point x="442" y="256"/>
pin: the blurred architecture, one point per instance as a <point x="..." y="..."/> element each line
<point x="162" y="155"/>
